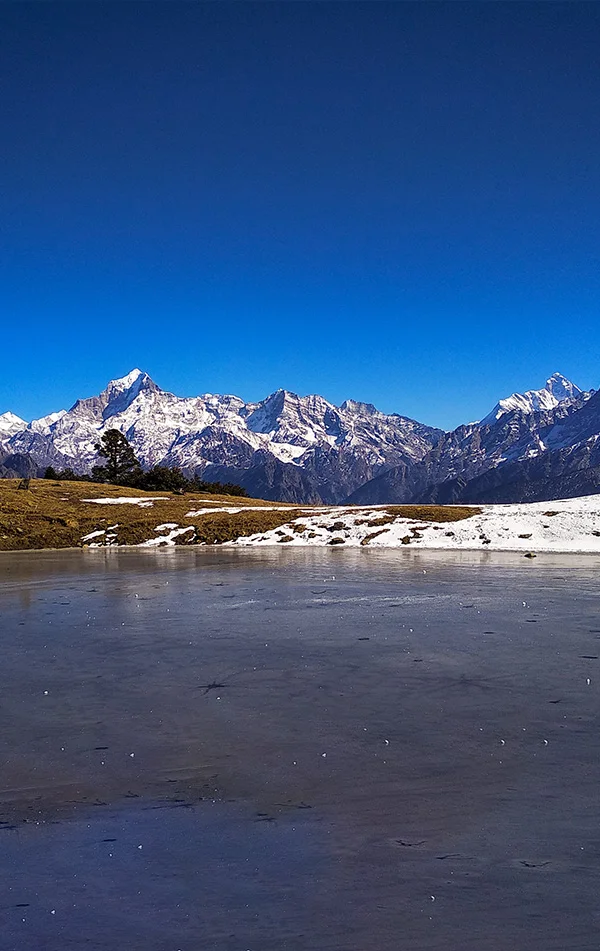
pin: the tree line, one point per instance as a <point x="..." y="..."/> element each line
<point x="122" y="467"/>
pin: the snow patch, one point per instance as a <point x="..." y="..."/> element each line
<point x="87" y="538"/>
<point x="285" y="452"/>
<point x="234" y="511"/>
<point x="570" y="525"/>
<point x="166" y="539"/>
<point x="143" y="503"/>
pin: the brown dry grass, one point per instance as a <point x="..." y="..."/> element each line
<point x="420" y="513"/>
<point x="433" y="513"/>
<point x="53" y="515"/>
<point x="369" y="538"/>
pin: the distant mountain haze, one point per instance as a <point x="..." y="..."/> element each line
<point x="305" y="449"/>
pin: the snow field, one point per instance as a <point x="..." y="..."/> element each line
<point x="569" y="525"/>
<point x="572" y="525"/>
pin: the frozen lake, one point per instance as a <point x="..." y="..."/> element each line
<point x="312" y="749"/>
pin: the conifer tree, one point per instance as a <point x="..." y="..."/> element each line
<point x="121" y="462"/>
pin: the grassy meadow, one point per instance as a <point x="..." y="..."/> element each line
<point x="56" y="515"/>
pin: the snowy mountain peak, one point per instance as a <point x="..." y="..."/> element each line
<point x="557" y="389"/>
<point x="355" y="406"/>
<point x="45" y="423"/>
<point x="126" y="382"/>
<point x="10" y="424"/>
<point x="302" y="446"/>
<point x="561" y="388"/>
<point x="119" y="394"/>
<point x="289" y="418"/>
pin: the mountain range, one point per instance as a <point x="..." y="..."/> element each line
<point x="541" y="444"/>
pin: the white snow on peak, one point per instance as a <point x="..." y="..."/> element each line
<point x="355" y="406"/>
<point x="557" y="389"/>
<point x="45" y="423"/>
<point x="224" y="430"/>
<point x="125" y="382"/>
<point x="561" y="388"/>
<point x="10" y="424"/>
<point x="122" y="392"/>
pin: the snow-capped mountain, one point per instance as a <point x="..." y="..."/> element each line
<point x="305" y="449"/>
<point x="44" y="424"/>
<point x="519" y="429"/>
<point x="556" y="390"/>
<point x="9" y="425"/>
<point x="307" y="444"/>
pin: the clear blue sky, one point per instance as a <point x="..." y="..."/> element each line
<point x="396" y="202"/>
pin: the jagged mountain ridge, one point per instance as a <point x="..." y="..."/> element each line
<point x="556" y="389"/>
<point x="499" y="445"/>
<point x="301" y="448"/>
<point x="305" y="449"/>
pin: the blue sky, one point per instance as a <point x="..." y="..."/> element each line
<point x="392" y="202"/>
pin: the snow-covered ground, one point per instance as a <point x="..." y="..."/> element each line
<point x="144" y="503"/>
<point x="234" y="510"/>
<point x="169" y="539"/>
<point x="102" y="537"/>
<point x="569" y="525"/>
<point x="572" y="525"/>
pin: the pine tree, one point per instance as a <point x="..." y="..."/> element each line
<point x="121" y="462"/>
<point x="163" y="479"/>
